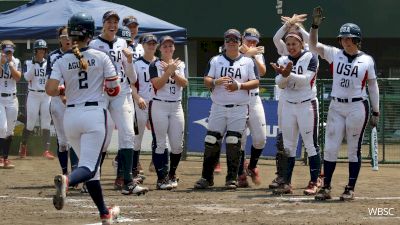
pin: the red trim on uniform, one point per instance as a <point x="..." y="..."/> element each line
<point x="364" y="80"/>
<point x="313" y="80"/>
<point x="331" y="68"/>
<point x="137" y="85"/>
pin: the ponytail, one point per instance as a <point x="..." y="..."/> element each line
<point x="83" y="64"/>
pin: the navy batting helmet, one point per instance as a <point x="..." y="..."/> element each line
<point x="40" y="44"/>
<point x="350" y="30"/>
<point x="124" y="33"/>
<point x="81" y="24"/>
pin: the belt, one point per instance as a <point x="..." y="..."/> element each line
<point x="230" y="106"/>
<point x="347" y="100"/>
<point x="254" y="94"/>
<point x="299" y="102"/>
<point x="41" y="91"/>
<point x="7" y="94"/>
<point x="166" y="100"/>
<point x="85" y="104"/>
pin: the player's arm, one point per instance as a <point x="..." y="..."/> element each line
<point x="15" y="70"/>
<point x="52" y="84"/>
<point x="179" y="77"/>
<point x="260" y="63"/>
<point x="313" y="43"/>
<point x="112" y="81"/>
<point x="30" y="70"/>
<point x="252" y="83"/>
<point x="279" y="43"/>
<point x="169" y="71"/>
<point x="373" y="90"/>
<point x="129" y="66"/>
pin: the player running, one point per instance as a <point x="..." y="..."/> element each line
<point x="349" y="109"/>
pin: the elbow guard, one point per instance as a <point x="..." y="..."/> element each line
<point x="112" y="86"/>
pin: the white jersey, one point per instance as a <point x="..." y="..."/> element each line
<point x="170" y="91"/>
<point x="301" y="82"/>
<point x="7" y="83"/>
<point x="259" y="58"/>
<point x="350" y="73"/>
<point x="143" y="84"/>
<point x="82" y="86"/>
<point x="114" y="50"/>
<point x="241" y="69"/>
<point x="36" y="75"/>
<point x="137" y="50"/>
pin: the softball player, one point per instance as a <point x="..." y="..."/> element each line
<point x="10" y="74"/>
<point x="57" y="106"/>
<point x="349" y="108"/>
<point x="121" y="106"/>
<point x="300" y="108"/>
<point x="230" y="76"/>
<point x="168" y="79"/>
<point x="85" y="71"/>
<point x="133" y="25"/>
<point x="256" y="122"/>
<point x="38" y="101"/>
<point x="143" y="94"/>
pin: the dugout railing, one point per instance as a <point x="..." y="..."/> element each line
<point x="388" y="127"/>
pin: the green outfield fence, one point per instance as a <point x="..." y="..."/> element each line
<point x="389" y="124"/>
<point x="388" y="128"/>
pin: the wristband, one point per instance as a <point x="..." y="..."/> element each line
<point x="214" y="82"/>
<point x="239" y="85"/>
<point x="314" y="26"/>
<point x="375" y="113"/>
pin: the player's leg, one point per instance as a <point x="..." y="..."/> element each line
<point x="242" y="171"/>
<point x="159" y="125"/>
<point x="142" y="117"/>
<point x="45" y="121"/>
<point x="335" y="130"/>
<point x="308" y="126"/>
<point x="212" y="145"/>
<point x="356" y="122"/>
<point x="257" y="126"/>
<point x="175" y="136"/>
<point x="280" y="154"/>
<point x="236" y="125"/>
<point x="57" y="114"/>
<point x="32" y="113"/>
<point x="3" y="131"/>
<point x="11" y="112"/>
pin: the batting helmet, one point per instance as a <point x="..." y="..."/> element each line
<point x="124" y="33"/>
<point x="81" y="24"/>
<point x="350" y="30"/>
<point x="40" y="44"/>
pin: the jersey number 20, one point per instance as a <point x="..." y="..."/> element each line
<point x="83" y="80"/>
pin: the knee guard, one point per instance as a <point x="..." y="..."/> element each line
<point x="233" y="152"/>
<point x="211" y="153"/>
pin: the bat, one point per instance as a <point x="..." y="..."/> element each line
<point x="374" y="149"/>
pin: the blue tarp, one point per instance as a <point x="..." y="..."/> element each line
<point x="41" y="18"/>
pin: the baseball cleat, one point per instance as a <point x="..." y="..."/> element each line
<point x="283" y="189"/>
<point x="61" y="184"/>
<point x="311" y="189"/>
<point x="118" y="183"/>
<point x="133" y="188"/>
<point x="255" y="175"/>
<point x="203" y="184"/>
<point x="7" y="164"/>
<point x="47" y="154"/>
<point x="113" y="213"/>
<point x="23" y="149"/>
<point x="163" y="185"/>
<point x="323" y="194"/>
<point x="348" y="194"/>
<point x="84" y="188"/>
<point x="242" y="181"/>
<point x="231" y="185"/>
<point x="217" y="168"/>
<point x="276" y="183"/>
<point x="173" y="181"/>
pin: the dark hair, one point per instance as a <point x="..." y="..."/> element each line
<point x="60" y="29"/>
<point x="83" y="64"/>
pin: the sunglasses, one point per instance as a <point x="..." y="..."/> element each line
<point x="231" y="39"/>
<point x="64" y="36"/>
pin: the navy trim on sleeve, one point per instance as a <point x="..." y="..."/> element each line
<point x="313" y="64"/>
<point x="153" y="70"/>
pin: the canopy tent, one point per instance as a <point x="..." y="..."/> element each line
<point x="41" y="18"/>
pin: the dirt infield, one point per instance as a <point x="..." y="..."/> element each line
<point x="26" y="192"/>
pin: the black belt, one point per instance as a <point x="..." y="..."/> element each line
<point x="230" y="106"/>
<point x="166" y="100"/>
<point x="254" y="94"/>
<point x="7" y="94"/>
<point x="41" y="91"/>
<point x="299" y="102"/>
<point x="347" y="100"/>
<point x="86" y="104"/>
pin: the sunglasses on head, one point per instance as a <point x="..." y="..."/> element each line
<point x="231" y="39"/>
<point x="64" y="36"/>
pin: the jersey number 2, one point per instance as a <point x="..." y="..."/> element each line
<point x="83" y="80"/>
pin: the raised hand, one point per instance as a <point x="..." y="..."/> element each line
<point x="317" y="16"/>
<point x="284" y="71"/>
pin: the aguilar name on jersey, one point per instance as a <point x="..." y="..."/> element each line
<point x="170" y="91"/>
<point x="7" y="83"/>
<point x="241" y="69"/>
<point x="36" y="75"/>
<point x="83" y="86"/>
<point x="114" y="50"/>
<point x="350" y="73"/>
<point x="305" y="65"/>
<point x="143" y="84"/>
